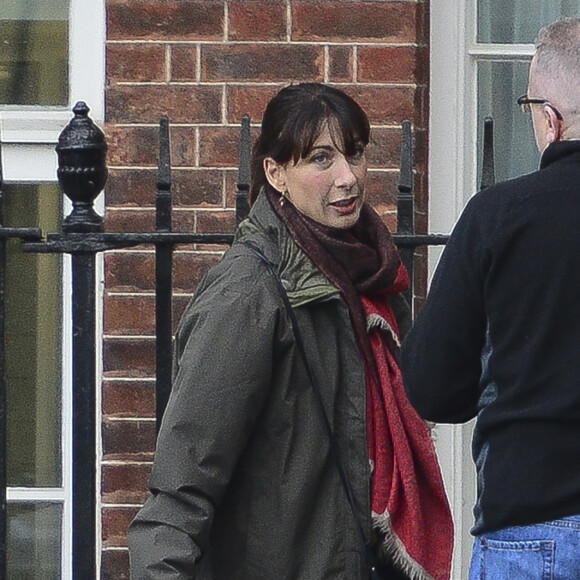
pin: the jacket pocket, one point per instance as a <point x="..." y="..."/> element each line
<point x="521" y="560"/>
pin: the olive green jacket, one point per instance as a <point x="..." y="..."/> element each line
<point x="243" y="486"/>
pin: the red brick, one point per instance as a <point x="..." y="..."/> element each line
<point x="134" y="315"/>
<point x="133" y="272"/>
<point x="381" y="188"/>
<point x="133" y="145"/>
<point x="389" y="64"/>
<point x="184" y="63"/>
<point x="129" y="221"/>
<point x="420" y="274"/>
<point x="131" y="187"/>
<point x="147" y="103"/>
<point x="135" y="62"/>
<point x="129" y="271"/>
<point x="184" y="221"/>
<point x="336" y="21"/>
<point x="129" y="357"/>
<point x="183" y="148"/>
<point x="199" y="188"/>
<point x="214" y="222"/>
<point x="421" y="222"/>
<point x="128" y="398"/>
<point x="384" y="149"/>
<point x="249" y="100"/>
<point x="219" y="147"/>
<point x="420" y="147"/>
<point x="340" y="64"/>
<point x="421" y="103"/>
<point x="191" y="268"/>
<point x="128" y="440"/>
<point x="420" y="192"/>
<point x="262" y="62"/>
<point x="116" y="524"/>
<point x="190" y="187"/>
<point x="165" y="20"/>
<point x="390" y="220"/>
<point x="385" y="105"/>
<point x="125" y="483"/>
<point x="257" y="20"/>
<point x="115" y="565"/>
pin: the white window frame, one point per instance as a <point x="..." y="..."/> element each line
<point x="453" y="133"/>
<point x="30" y="133"/>
<point x="29" y="136"/>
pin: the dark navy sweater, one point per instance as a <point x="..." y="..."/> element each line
<point x="499" y="338"/>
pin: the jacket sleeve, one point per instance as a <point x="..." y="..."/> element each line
<point x="225" y="349"/>
<point x="441" y="355"/>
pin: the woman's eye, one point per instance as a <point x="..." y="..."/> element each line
<point x="320" y="158"/>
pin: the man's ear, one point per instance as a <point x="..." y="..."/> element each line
<point x="275" y="174"/>
<point x="554" y="125"/>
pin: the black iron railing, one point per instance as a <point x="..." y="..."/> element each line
<point x="82" y="175"/>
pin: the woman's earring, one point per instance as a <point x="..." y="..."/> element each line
<point x="282" y="197"/>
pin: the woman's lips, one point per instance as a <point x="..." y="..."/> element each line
<point x="345" y="206"/>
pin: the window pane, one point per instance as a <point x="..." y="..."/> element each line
<point x="33" y="346"/>
<point x="499" y="85"/>
<point x="34" y="541"/>
<point x="34" y="52"/>
<point x="518" y="21"/>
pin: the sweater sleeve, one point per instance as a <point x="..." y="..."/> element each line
<point x="441" y="355"/>
<point x="225" y="348"/>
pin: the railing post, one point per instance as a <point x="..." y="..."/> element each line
<point x="82" y="175"/>
<point x="406" y="203"/>
<point x="163" y="277"/>
<point x="488" y="162"/>
<point x="243" y="191"/>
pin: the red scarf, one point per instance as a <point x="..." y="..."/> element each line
<point x="410" y="512"/>
<point x="409" y="505"/>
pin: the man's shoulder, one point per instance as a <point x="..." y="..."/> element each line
<point x="503" y="196"/>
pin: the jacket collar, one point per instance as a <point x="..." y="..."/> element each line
<point x="559" y="150"/>
<point x="303" y="281"/>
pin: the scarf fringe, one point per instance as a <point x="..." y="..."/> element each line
<point x="395" y="549"/>
<point x="375" y="320"/>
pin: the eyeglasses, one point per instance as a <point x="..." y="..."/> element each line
<point x="524" y="102"/>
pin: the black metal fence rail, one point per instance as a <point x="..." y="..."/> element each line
<point x="82" y="175"/>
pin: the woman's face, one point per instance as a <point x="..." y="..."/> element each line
<point x="325" y="185"/>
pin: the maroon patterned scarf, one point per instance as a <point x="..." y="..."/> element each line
<point x="411" y="516"/>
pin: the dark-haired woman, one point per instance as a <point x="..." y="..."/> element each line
<point x="244" y="484"/>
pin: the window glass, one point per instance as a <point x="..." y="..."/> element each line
<point x="499" y="85"/>
<point x="518" y="21"/>
<point x="34" y="540"/>
<point x="33" y="351"/>
<point x="34" y="52"/>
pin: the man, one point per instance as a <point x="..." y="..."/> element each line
<point x="499" y="338"/>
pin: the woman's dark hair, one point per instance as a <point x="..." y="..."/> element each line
<point x="295" y="118"/>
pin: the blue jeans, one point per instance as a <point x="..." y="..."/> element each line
<point x="547" y="551"/>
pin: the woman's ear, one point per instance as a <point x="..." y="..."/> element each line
<point x="275" y="174"/>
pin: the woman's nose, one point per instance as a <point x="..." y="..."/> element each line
<point x="345" y="176"/>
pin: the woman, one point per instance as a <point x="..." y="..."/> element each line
<point x="244" y="485"/>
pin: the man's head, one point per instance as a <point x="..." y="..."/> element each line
<point x="555" y="76"/>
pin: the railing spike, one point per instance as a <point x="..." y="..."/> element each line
<point x="406" y="171"/>
<point x="242" y="194"/>
<point x="163" y="196"/>
<point x="488" y="163"/>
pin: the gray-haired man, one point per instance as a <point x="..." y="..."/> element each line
<point x="499" y="338"/>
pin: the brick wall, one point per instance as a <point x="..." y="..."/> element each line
<point x="205" y="64"/>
